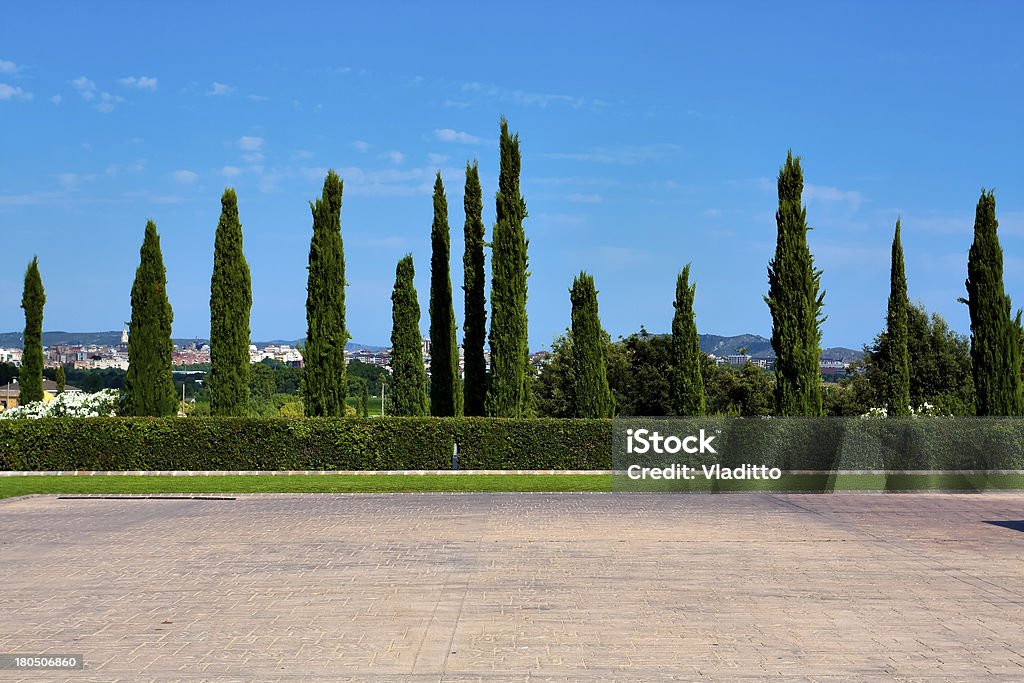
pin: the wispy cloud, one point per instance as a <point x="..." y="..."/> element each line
<point x="825" y="193"/>
<point x="220" y="89"/>
<point x="85" y="87"/>
<point x="457" y="104"/>
<point x="396" y="157"/>
<point x="7" y="67"/>
<point x="437" y="159"/>
<point x="451" y="135"/>
<point x="522" y="97"/>
<point x="361" y="145"/>
<point x="250" y="143"/>
<point x="581" y="198"/>
<point x="107" y="102"/>
<point x="257" y="98"/>
<point x="622" y="154"/>
<point x="140" y="82"/>
<point x="185" y="177"/>
<point x="56" y="99"/>
<point x="231" y="171"/>
<point x="300" y="154"/>
<point x="10" y="92"/>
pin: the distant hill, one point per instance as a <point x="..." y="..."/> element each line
<point x="759" y="347"/>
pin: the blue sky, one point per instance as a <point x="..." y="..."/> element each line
<point x="651" y="133"/>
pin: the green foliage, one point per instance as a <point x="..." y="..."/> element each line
<point x="60" y="379"/>
<point x="508" y="390"/>
<point x="940" y="364"/>
<point x="795" y="302"/>
<point x="373" y="375"/>
<point x="745" y="392"/>
<point x="230" y="304"/>
<point x="445" y="385"/>
<point x="592" y="398"/>
<point x="323" y="385"/>
<point x="239" y="443"/>
<point x="995" y="343"/>
<point x="474" y="325"/>
<point x="851" y="396"/>
<point x="149" y="383"/>
<point x="643" y="389"/>
<point x="30" y="382"/>
<point x="408" y="395"/>
<point x="364" y="400"/>
<point x="895" y="353"/>
<point x="262" y="383"/>
<point x="687" y="382"/>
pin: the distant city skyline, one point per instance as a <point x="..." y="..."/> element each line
<point x="648" y="141"/>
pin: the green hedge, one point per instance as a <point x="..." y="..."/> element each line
<point x="390" y="443"/>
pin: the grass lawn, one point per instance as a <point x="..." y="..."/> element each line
<point x="348" y="483"/>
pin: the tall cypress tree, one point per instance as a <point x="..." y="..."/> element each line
<point x="592" y="396"/>
<point x="230" y="304"/>
<point x="895" y="342"/>
<point x="61" y="379"/>
<point x="475" y="322"/>
<point x="408" y="376"/>
<point x="507" y="393"/>
<point x="795" y="302"/>
<point x="149" y="384"/>
<point x="445" y="385"/>
<point x="33" y="298"/>
<point x="686" y="391"/>
<point x="995" y="346"/>
<point x="324" y="385"/>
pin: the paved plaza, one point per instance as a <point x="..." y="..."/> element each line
<point x="507" y="587"/>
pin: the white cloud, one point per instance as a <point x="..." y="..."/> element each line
<point x="185" y="176"/>
<point x="9" y="92"/>
<point x="437" y="158"/>
<point x="67" y="180"/>
<point x="585" y="198"/>
<point x="220" y="89"/>
<point x="257" y="98"/>
<point x="301" y="154"/>
<point x="831" y="194"/>
<point x="85" y="88"/>
<point x="450" y="135"/>
<point x="457" y="104"/>
<point x="140" y="82"/>
<point x="249" y="143"/>
<point x="7" y="67"/>
<point x="361" y="145"/>
<point x="712" y="213"/>
<point x="522" y="97"/>
<point x="107" y="102"/>
<point x="56" y="99"/>
<point x="396" y="157"/>
<point x="231" y="171"/>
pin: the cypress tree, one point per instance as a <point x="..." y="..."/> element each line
<point x="995" y="346"/>
<point x="230" y="304"/>
<point x="896" y="340"/>
<point x="507" y="393"/>
<point x="445" y="385"/>
<point x="324" y="385"/>
<point x="591" y="395"/>
<point x="795" y="302"/>
<point x="149" y="384"/>
<point x="30" y="378"/>
<point x="475" y="322"/>
<point x="61" y="379"/>
<point x="408" y="376"/>
<point x="686" y="390"/>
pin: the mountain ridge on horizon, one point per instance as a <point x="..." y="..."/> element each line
<point x="720" y="345"/>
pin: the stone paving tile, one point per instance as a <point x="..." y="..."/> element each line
<point x="525" y="587"/>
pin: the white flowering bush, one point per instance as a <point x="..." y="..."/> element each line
<point x="924" y="410"/>
<point x="70" y="404"/>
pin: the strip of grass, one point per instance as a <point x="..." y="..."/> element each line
<point x="349" y="483"/>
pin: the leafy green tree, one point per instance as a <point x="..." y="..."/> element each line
<point x="149" y="383"/>
<point x="230" y="304"/>
<point x="508" y="390"/>
<point x="795" y="302"/>
<point x="747" y="391"/>
<point x="324" y="384"/>
<point x="995" y="343"/>
<point x="895" y="354"/>
<point x="591" y="395"/>
<point x="644" y="387"/>
<point x="61" y="379"/>
<point x="687" y="381"/>
<point x="33" y="298"/>
<point x="445" y="385"/>
<point x="409" y="378"/>
<point x="262" y="384"/>
<point x="474" y="326"/>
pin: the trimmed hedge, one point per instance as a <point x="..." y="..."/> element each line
<point x="239" y="443"/>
